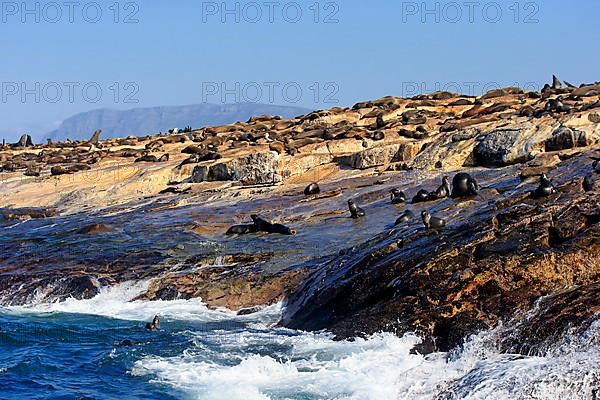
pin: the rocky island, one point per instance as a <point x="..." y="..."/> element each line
<point x="79" y="216"/>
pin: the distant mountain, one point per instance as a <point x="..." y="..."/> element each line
<point x="144" y="121"/>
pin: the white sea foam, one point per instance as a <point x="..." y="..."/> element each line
<point x="260" y="362"/>
<point x="381" y="367"/>
<point x="118" y="302"/>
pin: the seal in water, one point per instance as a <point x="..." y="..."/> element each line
<point x="432" y="222"/>
<point x="355" y="210"/>
<point x="404" y="217"/>
<point x="312" y="189"/>
<point x="398" y="196"/>
<point x="588" y="183"/>
<point x="421" y="197"/>
<point x="464" y="185"/>
<point x="154" y="325"/>
<point x="545" y="189"/>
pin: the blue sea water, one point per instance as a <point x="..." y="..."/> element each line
<point x="99" y="349"/>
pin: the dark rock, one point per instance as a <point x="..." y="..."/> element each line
<point x="167" y="293"/>
<point x="250" y="311"/>
<point x="507" y="250"/>
<point x="565" y="138"/>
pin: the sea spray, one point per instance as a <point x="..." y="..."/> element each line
<point x="216" y="354"/>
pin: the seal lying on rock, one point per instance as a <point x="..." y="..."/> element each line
<point x="422" y="196"/>
<point x="312" y="189"/>
<point x="153" y="159"/>
<point x="67" y="170"/>
<point x="432" y="222"/>
<point x="260" y="225"/>
<point x="241" y="230"/>
<point x="398" y="196"/>
<point x="154" y="325"/>
<point x="355" y="211"/>
<point x="268" y="227"/>
<point x="545" y="189"/>
<point x="404" y="217"/>
<point x="464" y="185"/>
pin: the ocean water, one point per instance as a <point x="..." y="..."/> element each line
<point x="77" y="350"/>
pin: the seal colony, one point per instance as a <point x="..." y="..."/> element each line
<point x="380" y="186"/>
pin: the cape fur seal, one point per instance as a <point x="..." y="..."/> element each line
<point x="268" y="227"/>
<point x="312" y="189"/>
<point x="260" y="225"/>
<point x="404" y="217"/>
<point x="398" y="196"/>
<point x="355" y="211"/>
<point x="422" y="196"/>
<point x="95" y="137"/>
<point x="545" y="189"/>
<point x="432" y="222"/>
<point x="442" y="191"/>
<point x="154" y="325"/>
<point x="464" y="185"/>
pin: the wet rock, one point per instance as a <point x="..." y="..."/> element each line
<point x="569" y="312"/>
<point x="514" y="250"/>
<point x="167" y="293"/>
<point x="79" y="287"/>
<point x="250" y="311"/>
<point x="235" y="288"/>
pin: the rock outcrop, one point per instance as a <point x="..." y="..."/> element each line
<point x="497" y="256"/>
<point x="76" y="216"/>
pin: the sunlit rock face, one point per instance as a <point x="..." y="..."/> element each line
<point x="157" y="208"/>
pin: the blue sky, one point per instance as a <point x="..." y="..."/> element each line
<point x="152" y="53"/>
